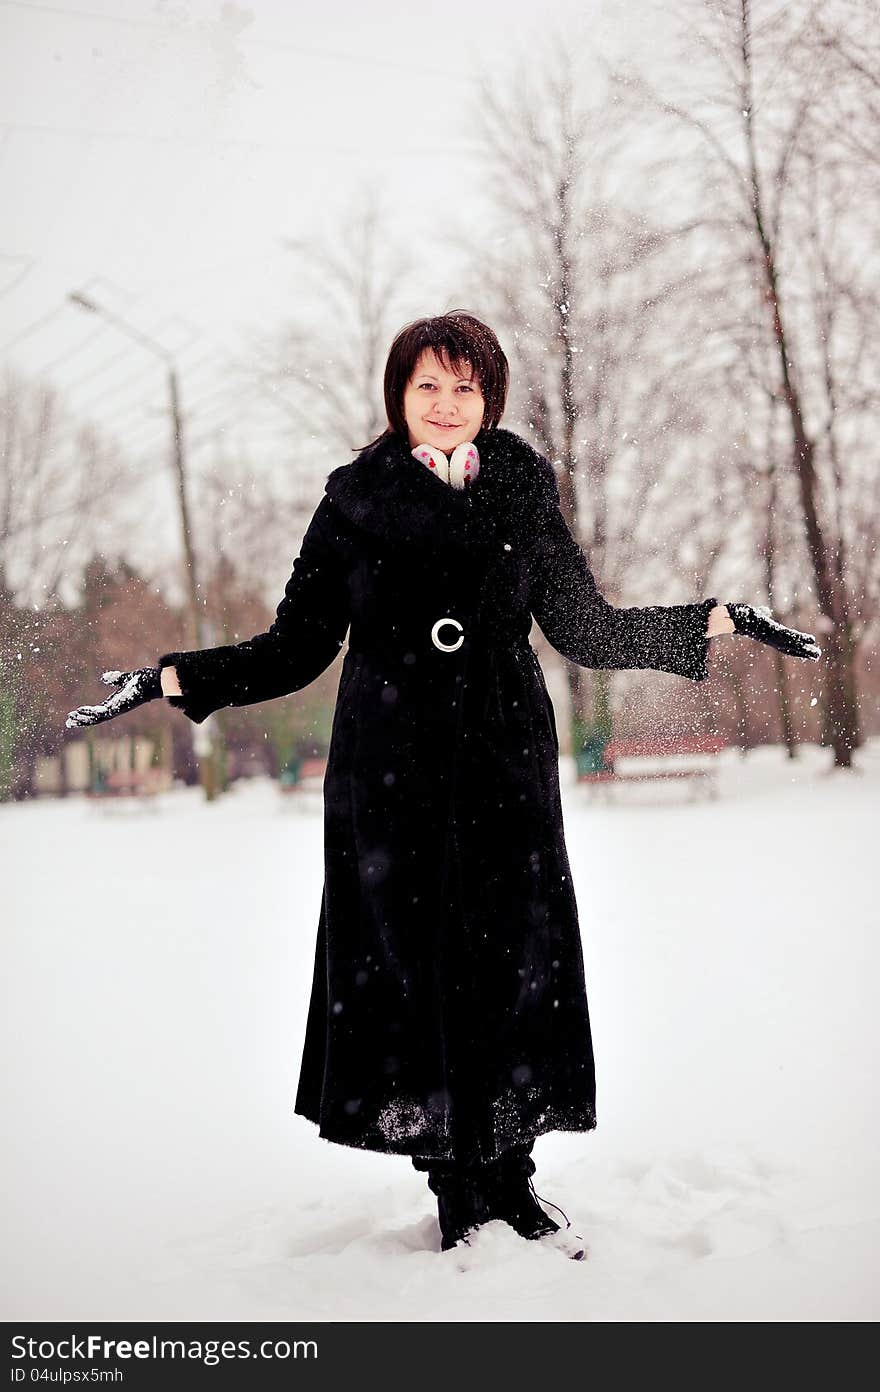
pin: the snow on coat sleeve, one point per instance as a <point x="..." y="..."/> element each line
<point x="584" y="627"/>
<point x="309" y="629"/>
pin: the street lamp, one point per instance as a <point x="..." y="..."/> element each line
<point x="203" y="734"/>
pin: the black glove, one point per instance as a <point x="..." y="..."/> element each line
<point x="145" y="684"/>
<point x="755" y="622"/>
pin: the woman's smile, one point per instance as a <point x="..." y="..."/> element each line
<point x="434" y="383"/>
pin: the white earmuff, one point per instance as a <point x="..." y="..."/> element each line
<point x="433" y="459"/>
<point x="460" y="469"/>
<point x="464" y="464"/>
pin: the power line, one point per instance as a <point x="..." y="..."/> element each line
<point x="196" y="415"/>
<point x="76" y="350"/>
<point x="47" y="318"/>
<point x="234" y="142"/>
<point x="114" y="423"/>
<point x="134" y="409"/>
<point x="44" y="368"/>
<point x="80" y="14"/>
<point x="284" y="45"/>
<point x="120" y="387"/>
<point x="32" y="328"/>
<point x="248" y="384"/>
<point x="22" y="275"/>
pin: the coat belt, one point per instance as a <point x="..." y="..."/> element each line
<point x="447" y="637"/>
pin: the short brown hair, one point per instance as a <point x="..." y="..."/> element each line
<point x="457" y="338"/>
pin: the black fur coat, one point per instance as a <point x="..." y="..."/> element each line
<point x="448" y="1012"/>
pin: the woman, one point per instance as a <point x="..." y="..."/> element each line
<point x="448" y="1018"/>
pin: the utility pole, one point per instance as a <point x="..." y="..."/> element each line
<point x="204" y="735"/>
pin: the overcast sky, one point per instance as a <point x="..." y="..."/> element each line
<point x="156" y="155"/>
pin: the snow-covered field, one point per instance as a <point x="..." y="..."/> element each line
<point x="157" y="970"/>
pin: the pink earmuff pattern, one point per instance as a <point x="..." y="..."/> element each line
<point x="458" y="470"/>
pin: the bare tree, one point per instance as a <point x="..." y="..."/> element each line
<point x="850" y="115"/>
<point x="331" y="370"/>
<point x="755" y="103"/>
<point x="56" y="480"/>
<point x="579" y="285"/>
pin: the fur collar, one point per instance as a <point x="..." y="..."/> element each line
<point x="388" y="493"/>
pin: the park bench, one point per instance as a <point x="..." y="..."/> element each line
<point x="656" y="757"/>
<point x="307" y="775"/>
<point x="142" y="784"/>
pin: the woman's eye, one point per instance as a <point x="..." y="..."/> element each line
<point x="429" y="385"/>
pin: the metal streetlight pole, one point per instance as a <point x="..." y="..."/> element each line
<point x="203" y="735"/>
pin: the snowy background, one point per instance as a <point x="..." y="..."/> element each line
<point x="263" y="194"/>
<point x="158" y="968"/>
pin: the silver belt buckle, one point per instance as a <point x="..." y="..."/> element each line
<point x="435" y="634"/>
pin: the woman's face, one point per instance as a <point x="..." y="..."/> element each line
<point x="436" y="399"/>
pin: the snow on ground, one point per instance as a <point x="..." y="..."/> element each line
<point x="157" y="971"/>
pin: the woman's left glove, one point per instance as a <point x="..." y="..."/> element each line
<point x="755" y="622"/>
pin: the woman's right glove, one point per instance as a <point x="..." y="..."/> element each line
<point x="135" y="688"/>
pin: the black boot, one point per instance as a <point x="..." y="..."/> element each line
<point x="461" y="1205"/>
<point x="511" y="1195"/>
